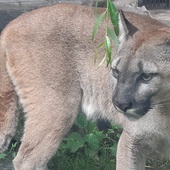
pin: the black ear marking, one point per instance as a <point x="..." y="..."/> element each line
<point x="129" y="28"/>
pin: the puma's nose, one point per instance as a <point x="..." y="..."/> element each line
<point x="122" y="106"/>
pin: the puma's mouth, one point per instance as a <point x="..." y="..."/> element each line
<point x="135" y="112"/>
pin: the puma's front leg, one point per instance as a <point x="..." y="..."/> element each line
<point x="129" y="156"/>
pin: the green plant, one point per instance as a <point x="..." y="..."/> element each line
<point x="2" y="156"/>
<point x="11" y="152"/>
<point x="85" y="147"/>
<point x="111" y="33"/>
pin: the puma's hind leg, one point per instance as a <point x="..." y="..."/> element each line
<point x="8" y="118"/>
<point x="8" y="105"/>
<point x="48" y="119"/>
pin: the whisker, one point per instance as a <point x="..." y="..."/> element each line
<point x="162" y="101"/>
<point x="160" y="104"/>
<point x="143" y="107"/>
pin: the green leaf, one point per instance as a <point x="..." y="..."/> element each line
<point x="76" y="146"/>
<point x="115" y="126"/>
<point x="114" y="149"/>
<point x="101" y="45"/>
<point x="118" y="135"/>
<point x="99" y="20"/>
<point x="95" y="9"/>
<point x="101" y="63"/>
<point x="81" y="121"/>
<point x="100" y="135"/>
<point x="112" y="12"/>
<point x="14" y="154"/>
<point x="97" y="52"/>
<point x="67" y="143"/>
<point x="110" y="131"/>
<point x="113" y="15"/>
<point x="75" y="136"/>
<point x="93" y="141"/>
<point x="2" y="156"/>
<point x="91" y="127"/>
<point x="91" y="153"/>
<point x="112" y="35"/>
<point x="108" y="50"/>
<point x="111" y="6"/>
<point x="116" y="27"/>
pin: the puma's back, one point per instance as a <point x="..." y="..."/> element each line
<point x="47" y="57"/>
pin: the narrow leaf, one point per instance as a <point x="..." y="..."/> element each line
<point x="101" y="45"/>
<point x="102" y="61"/>
<point x="111" y="33"/>
<point x="112" y="12"/>
<point x="95" y="9"/>
<point x="99" y="20"/>
<point x="112" y="6"/>
<point x="116" y="26"/>
<point x="108" y="45"/>
<point x="113" y="16"/>
<point x="108" y="50"/>
<point x="97" y="52"/>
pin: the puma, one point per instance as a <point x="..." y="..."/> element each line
<point x="47" y="62"/>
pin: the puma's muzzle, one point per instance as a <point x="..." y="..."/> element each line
<point x="131" y="108"/>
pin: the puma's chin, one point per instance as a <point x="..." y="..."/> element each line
<point x="134" y="112"/>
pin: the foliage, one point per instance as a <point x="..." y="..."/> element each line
<point x="11" y="152"/>
<point x="111" y="33"/>
<point x="87" y="148"/>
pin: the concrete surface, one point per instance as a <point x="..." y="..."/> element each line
<point x="161" y="15"/>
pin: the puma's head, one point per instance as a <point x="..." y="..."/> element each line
<point x="141" y="69"/>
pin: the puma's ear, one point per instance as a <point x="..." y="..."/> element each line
<point x="126" y="29"/>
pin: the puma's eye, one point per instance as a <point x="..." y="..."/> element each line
<point x="146" y="76"/>
<point x="115" y="73"/>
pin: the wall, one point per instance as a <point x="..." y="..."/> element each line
<point x="26" y="4"/>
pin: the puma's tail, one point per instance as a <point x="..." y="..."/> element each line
<point x="8" y="104"/>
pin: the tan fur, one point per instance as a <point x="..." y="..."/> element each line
<point x="47" y="56"/>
